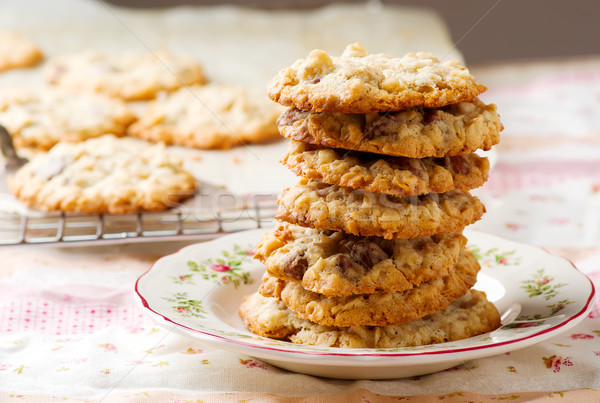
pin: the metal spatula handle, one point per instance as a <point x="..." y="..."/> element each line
<point x="13" y="161"/>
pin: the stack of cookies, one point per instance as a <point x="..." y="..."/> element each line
<point x="369" y="251"/>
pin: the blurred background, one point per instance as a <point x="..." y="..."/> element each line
<point x="485" y="31"/>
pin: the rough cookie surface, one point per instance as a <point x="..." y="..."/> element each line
<point x="129" y="76"/>
<point x="209" y="116"/>
<point x="17" y="51"/>
<point x="43" y="117"/>
<point x="103" y="175"/>
<point x="379" y="309"/>
<point x="335" y="264"/>
<point x="359" y="212"/>
<point x="398" y="176"/>
<point x="456" y="129"/>
<point x="357" y="82"/>
<point x="468" y="316"/>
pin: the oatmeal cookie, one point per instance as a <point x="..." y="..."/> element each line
<point x="357" y="82"/>
<point x="42" y="117"/>
<point x="209" y="116"/>
<point x="397" y="176"/>
<point x="17" y="51"/>
<point x="359" y="212"/>
<point x="103" y="175"/>
<point x="335" y="264"/>
<point x="467" y="316"/>
<point x="130" y="76"/>
<point x="379" y="309"/>
<point x="456" y="129"/>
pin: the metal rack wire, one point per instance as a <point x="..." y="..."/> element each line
<point x="248" y="212"/>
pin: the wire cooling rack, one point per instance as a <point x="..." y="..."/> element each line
<point x="185" y="222"/>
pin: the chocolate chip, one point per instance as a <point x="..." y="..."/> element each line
<point x="378" y="127"/>
<point x="459" y="164"/>
<point x="295" y="266"/>
<point x="367" y="254"/>
<point x="431" y="117"/>
<point x="290" y="116"/>
<point x="361" y="254"/>
<point x="349" y="269"/>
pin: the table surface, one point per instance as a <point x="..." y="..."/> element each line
<point x="70" y="327"/>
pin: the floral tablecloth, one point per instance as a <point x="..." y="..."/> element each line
<point x="70" y="328"/>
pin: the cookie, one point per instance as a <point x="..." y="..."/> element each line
<point x="379" y="309"/>
<point x="17" y="51"/>
<point x="397" y="176"/>
<point x="210" y="116"/>
<point x="103" y="175"/>
<point x="43" y="116"/>
<point x="456" y="129"/>
<point x="468" y="316"/>
<point x="359" y="212"/>
<point x="357" y="82"/>
<point x="130" y="76"/>
<point x="335" y="263"/>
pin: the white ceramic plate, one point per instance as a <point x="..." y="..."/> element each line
<point x="198" y="289"/>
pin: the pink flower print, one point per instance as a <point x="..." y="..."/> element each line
<point x="559" y="221"/>
<point x="554" y="362"/>
<point x="526" y="324"/>
<point x="219" y="267"/>
<point x="581" y="336"/>
<point x="182" y="309"/>
<point x="108" y="347"/>
<point x="596" y="353"/>
<point x="252" y="364"/>
<point x="192" y="351"/>
<point x="544" y="280"/>
<point x="225" y="279"/>
<point x="513" y="226"/>
<point x="4" y="367"/>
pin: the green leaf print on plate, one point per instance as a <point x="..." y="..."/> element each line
<point x="223" y="270"/>
<point x="186" y="306"/>
<point x="541" y="285"/>
<point x="494" y="257"/>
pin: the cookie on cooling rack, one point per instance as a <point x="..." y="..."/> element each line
<point x="130" y="76"/>
<point x="41" y="117"/>
<point x="209" y="116"/>
<point x="17" y="51"/>
<point x="103" y="175"/>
